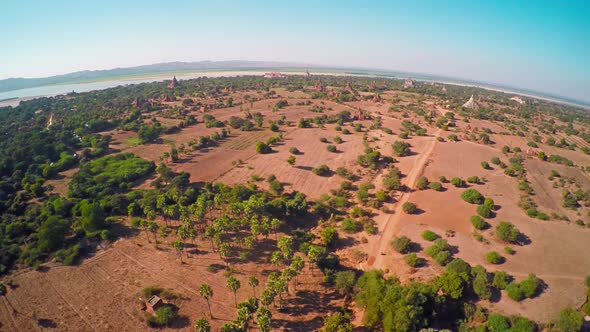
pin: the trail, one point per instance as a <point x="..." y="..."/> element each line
<point x="375" y="259"/>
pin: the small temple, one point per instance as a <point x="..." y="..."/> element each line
<point x="173" y="84"/>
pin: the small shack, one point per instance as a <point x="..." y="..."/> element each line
<point x="153" y="304"/>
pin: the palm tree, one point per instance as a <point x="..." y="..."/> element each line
<point x="178" y="246"/>
<point x="233" y="285"/>
<point x="253" y="282"/>
<point x="206" y="292"/>
<point x="263" y="319"/>
<point x="202" y="325"/>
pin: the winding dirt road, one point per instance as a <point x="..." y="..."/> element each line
<point x="375" y="260"/>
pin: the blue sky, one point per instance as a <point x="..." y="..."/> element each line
<point x="539" y="45"/>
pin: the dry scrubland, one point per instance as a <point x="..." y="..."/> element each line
<point x="102" y="292"/>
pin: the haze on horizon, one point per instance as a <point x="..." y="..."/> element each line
<point x="540" y="46"/>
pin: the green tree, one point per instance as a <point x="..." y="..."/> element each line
<point x="253" y="282"/>
<point x="401" y="244"/>
<point x="506" y="231"/>
<point x="329" y="236"/>
<point x="337" y="322"/>
<point x="206" y="292"/>
<point x="233" y="285"/>
<point x="202" y="325"/>
<point x="263" y="319"/>
<point x="570" y="320"/>
<point x="344" y="282"/>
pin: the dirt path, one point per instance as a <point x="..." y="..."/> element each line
<point x="375" y="260"/>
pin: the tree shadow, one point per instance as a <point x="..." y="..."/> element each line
<point x="304" y="168"/>
<point x="46" y="323"/>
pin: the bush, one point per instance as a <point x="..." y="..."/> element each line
<point x="570" y="320"/>
<point x="479" y="223"/>
<point x="458" y="182"/>
<point x="409" y="208"/>
<point x="473" y="179"/>
<point x="413" y="260"/>
<point x="401" y="148"/>
<point x="329" y="236"/>
<point x="507" y="232"/>
<point x="498" y="323"/>
<point x="263" y="148"/>
<point x="323" y="140"/>
<point x="294" y="150"/>
<point x="164" y="316"/>
<point x="422" y="183"/>
<point x="514" y="292"/>
<point x="338" y="140"/>
<point x="484" y="211"/>
<point x="472" y="196"/>
<point x="401" y="244"/>
<point x="331" y="148"/>
<point x="485" y="165"/>
<point x="493" y="257"/>
<point x="530" y="286"/>
<point x="489" y="203"/>
<point x="350" y="225"/>
<point x="501" y="280"/>
<point x="442" y="258"/>
<point x="429" y="235"/>
<point x="435" y="186"/>
<point x="322" y="170"/>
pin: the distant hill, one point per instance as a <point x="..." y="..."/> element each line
<point x="90" y="75"/>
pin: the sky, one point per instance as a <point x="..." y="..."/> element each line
<point x="538" y="45"/>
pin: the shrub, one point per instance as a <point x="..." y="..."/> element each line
<point x="473" y="179"/>
<point x="501" y="280"/>
<point x="164" y="316"/>
<point x="422" y="183"/>
<point x="498" y="323"/>
<point x="489" y="203"/>
<point x="338" y="140"/>
<point x="404" y="135"/>
<point x="479" y="223"/>
<point x="507" y="232"/>
<point x="401" y="148"/>
<point x="485" y="165"/>
<point x="493" y="257"/>
<point x="530" y="286"/>
<point x="409" y="208"/>
<point x="458" y="182"/>
<point x="496" y="161"/>
<point x="350" y="225"/>
<point x="429" y="235"/>
<point x="413" y="260"/>
<point x="514" y="291"/>
<point x="329" y="236"/>
<point x="442" y="258"/>
<point x="472" y="196"/>
<point x="294" y="150"/>
<point x="323" y="140"/>
<point x="345" y="131"/>
<point x="484" y="211"/>
<point x="401" y="244"/>
<point x="570" y="320"/>
<point x="263" y="148"/>
<point x="435" y="186"/>
<point x="321" y="170"/>
<point x="331" y="148"/>
<point x="509" y="250"/>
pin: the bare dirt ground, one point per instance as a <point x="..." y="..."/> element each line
<point x="103" y="293"/>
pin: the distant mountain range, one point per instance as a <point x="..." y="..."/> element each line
<point x="11" y="84"/>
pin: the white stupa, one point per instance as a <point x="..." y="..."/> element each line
<point x="471" y="104"/>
